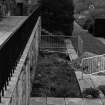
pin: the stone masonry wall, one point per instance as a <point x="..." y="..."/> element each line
<point x="18" y="90"/>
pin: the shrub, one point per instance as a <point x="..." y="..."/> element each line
<point x="91" y="91"/>
<point x="102" y="88"/>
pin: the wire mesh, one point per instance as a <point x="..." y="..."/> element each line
<point x="57" y="43"/>
<point x="95" y="64"/>
<point x="52" y="43"/>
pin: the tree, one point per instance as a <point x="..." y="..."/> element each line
<point x="57" y="15"/>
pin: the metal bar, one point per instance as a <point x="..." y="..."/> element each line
<point x="95" y="64"/>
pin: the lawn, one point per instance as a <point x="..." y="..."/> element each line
<point x="54" y="77"/>
<point x="90" y="43"/>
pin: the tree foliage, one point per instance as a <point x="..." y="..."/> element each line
<point x="81" y="5"/>
<point x="58" y="15"/>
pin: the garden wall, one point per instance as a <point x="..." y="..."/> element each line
<point x="18" y="90"/>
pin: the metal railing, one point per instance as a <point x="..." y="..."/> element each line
<point x="57" y="43"/>
<point x="12" y="49"/>
<point x="92" y="65"/>
<point x="52" y="43"/>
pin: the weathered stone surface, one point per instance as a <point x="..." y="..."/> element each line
<point x="18" y="90"/>
<point x="55" y="101"/>
<point x="9" y="25"/>
<point x="93" y="102"/>
<point x="38" y="101"/>
<point x="74" y="101"/>
<point x="70" y="49"/>
<point x="5" y="101"/>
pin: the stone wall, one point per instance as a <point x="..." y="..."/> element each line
<point x="18" y="90"/>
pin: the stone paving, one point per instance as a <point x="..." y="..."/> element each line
<point x="84" y="80"/>
<point x="65" y="101"/>
<point x="70" y="50"/>
<point x="8" y="25"/>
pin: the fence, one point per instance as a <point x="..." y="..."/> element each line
<point x="57" y="43"/>
<point x="93" y="64"/>
<point x="11" y="54"/>
<point x="52" y="43"/>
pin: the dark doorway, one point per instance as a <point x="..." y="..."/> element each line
<point x="20" y="9"/>
<point x="99" y="27"/>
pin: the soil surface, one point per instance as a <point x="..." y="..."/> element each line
<point x="54" y="77"/>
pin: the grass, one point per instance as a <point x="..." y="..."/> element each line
<point x="55" y="78"/>
<point x="90" y="43"/>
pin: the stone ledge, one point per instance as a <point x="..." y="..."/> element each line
<point x="64" y="101"/>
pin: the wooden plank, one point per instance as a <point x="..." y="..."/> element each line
<point x="93" y="102"/>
